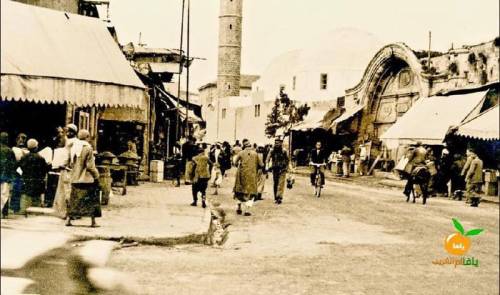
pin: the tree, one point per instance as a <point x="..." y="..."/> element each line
<point x="284" y="114"/>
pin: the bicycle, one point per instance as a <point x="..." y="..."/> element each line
<point x="317" y="180"/>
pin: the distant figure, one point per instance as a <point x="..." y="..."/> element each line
<point x="363" y="160"/>
<point x="216" y="158"/>
<point x="226" y="158"/>
<point x="200" y="177"/>
<point x="346" y="161"/>
<point x="474" y="180"/>
<point x="278" y="162"/>
<point x="236" y="149"/>
<point x="63" y="191"/>
<point x="177" y="162"/>
<point x="34" y="170"/>
<point x="261" y="172"/>
<point x="188" y="152"/>
<point x="457" y="180"/>
<point x="84" y="200"/>
<point x="416" y="158"/>
<point x="318" y="156"/>
<point x="8" y="166"/>
<point x="20" y="151"/>
<point x="245" y="187"/>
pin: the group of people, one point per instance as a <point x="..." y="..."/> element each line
<point x="206" y="165"/>
<point x="27" y="177"/>
<point x="451" y="175"/>
<point x="253" y="166"/>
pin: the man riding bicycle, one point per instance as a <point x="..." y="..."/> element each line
<point x="318" y="159"/>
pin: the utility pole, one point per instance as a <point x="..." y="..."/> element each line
<point x="429" y="53"/>
<point x="177" y="125"/>
<point x="187" y="131"/>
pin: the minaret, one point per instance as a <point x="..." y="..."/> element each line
<point x="229" y="64"/>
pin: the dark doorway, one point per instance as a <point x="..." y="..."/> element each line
<point x="113" y="136"/>
<point x="37" y="120"/>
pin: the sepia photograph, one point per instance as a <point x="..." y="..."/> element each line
<point x="253" y="147"/>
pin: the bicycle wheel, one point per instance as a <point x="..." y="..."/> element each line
<point x="317" y="190"/>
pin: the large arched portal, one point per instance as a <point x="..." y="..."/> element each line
<point x="391" y="84"/>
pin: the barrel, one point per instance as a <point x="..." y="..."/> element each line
<point x="105" y="182"/>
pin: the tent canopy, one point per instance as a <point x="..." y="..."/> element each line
<point x="485" y="126"/>
<point x="313" y="120"/>
<point x="51" y="56"/>
<point x="349" y="113"/>
<point x="429" y="119"/>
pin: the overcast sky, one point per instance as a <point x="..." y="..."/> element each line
<point x="272" y="27"/>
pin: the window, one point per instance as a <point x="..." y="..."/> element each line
<point x="228" y="86"/>
<point x="83" y="120"/>
<point x="230" y="27"/>
<point x="257" y="110"/>
<point x="223" y="113"/>
<point x="323" y="82"/>
<point x="341" y="102"/>
<point x="294" y="82"/>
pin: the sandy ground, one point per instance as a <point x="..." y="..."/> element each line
<point x="353" y="240"/>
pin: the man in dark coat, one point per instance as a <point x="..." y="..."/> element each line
<point x="278" y="163"/>
<point x="318" y="156"/>
<point x="34" y="170"/>
<point x="7" y="171"/>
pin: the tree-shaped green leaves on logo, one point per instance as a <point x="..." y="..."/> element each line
<point x="460" y="229"/>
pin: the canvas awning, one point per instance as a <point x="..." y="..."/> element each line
<point x="50" y="56"/>
<point x="485" y="126"/>
<point x="349" y="113"/>
<point x="161" y="67"/>
<point x="429" y="119"/>
<point x="313" y="120"/>
<point x="171" y="101"/>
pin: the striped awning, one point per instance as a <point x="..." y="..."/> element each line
<point x="50" y="56"/>
<point x="485" y="126"/>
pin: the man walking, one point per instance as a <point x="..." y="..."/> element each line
<point x="278" y="162"/>
<point x="245" y="186"/>
<point x="84" y="200"/>
<point x="201" y="176"/>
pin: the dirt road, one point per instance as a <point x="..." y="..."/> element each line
<point x="353" y="240"/>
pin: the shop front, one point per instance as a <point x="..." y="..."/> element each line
<point x="60" y="68"/>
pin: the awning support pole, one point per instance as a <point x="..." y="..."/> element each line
<point x="177" y="125"/>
